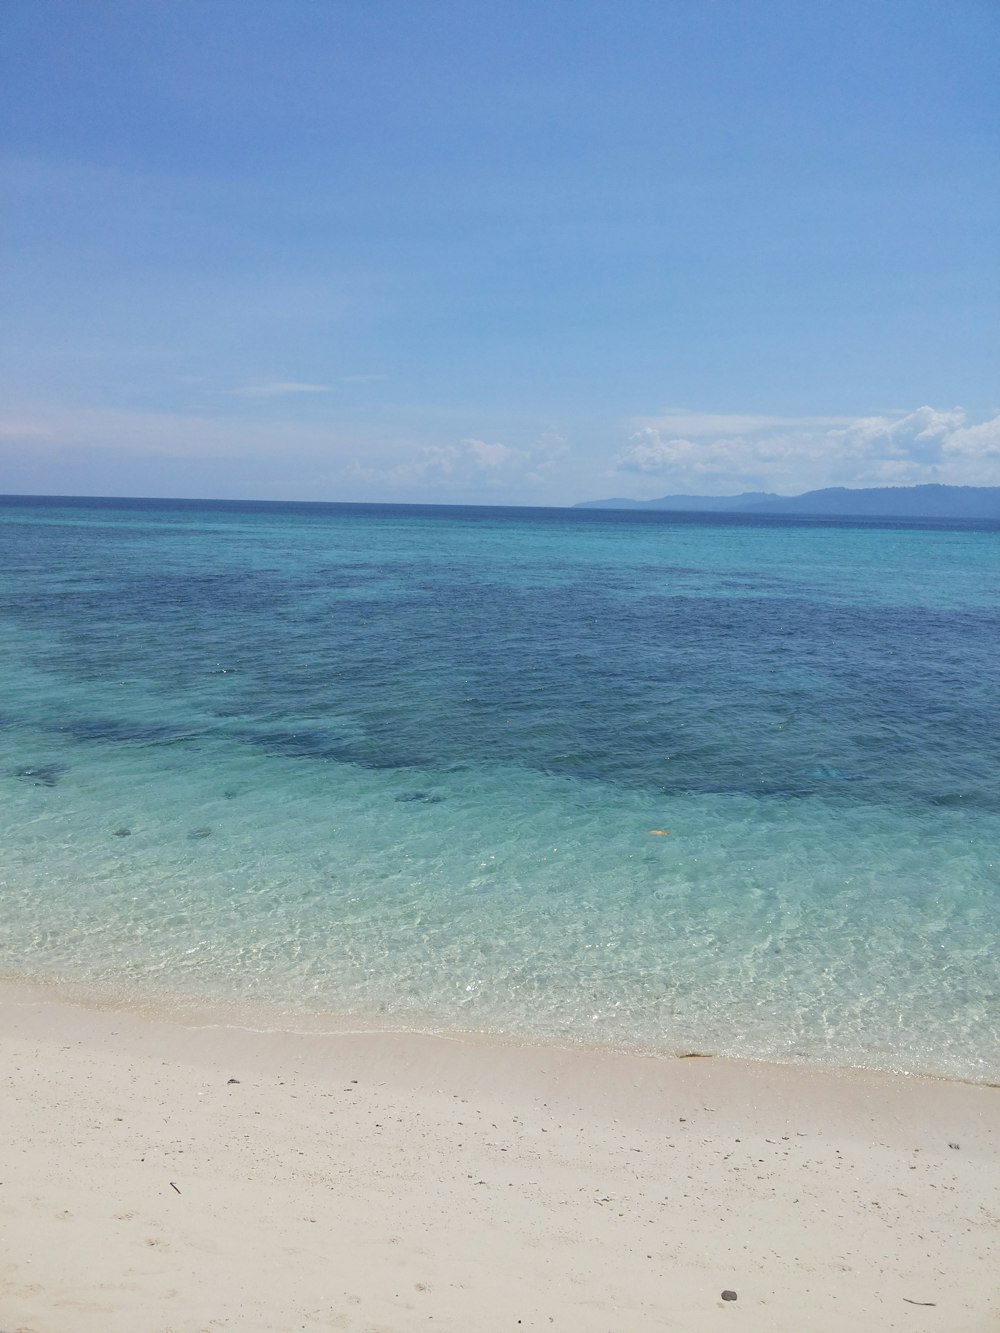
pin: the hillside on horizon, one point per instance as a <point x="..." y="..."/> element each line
<point x="927" y="501"/>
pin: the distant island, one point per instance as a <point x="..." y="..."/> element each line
<point x="931" y="501"/>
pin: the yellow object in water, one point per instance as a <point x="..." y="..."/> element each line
<point x="660" y="832"/>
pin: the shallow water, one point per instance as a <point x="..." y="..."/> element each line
<point x="406" y="763"/>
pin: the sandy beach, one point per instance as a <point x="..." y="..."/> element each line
<point x="160" y="1174"/>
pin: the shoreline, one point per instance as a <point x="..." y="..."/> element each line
<point x="168" y="1176"/>
<point x="196" y="1011"/>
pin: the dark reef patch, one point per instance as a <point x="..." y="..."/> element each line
<point x="306" y="744"/>
<point x="330" y="746"/>
<point x="40" y="775"/>
<point x="117" y="732"/>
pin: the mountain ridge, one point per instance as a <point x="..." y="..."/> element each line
<point x="930" y="500"/>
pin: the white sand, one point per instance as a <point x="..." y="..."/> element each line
<point x="393" y="1182"/>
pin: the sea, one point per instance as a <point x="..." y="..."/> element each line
<point x="669" y="783"/>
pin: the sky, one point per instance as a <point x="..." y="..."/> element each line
<point x="497" y="252"/>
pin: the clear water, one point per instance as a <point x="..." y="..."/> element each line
<point x="405" y="764"/>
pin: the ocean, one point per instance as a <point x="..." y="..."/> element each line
<point x="668" y="783"/>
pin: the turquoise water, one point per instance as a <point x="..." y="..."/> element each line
<point x="405" y="764"/>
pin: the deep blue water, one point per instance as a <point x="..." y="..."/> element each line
<point x="405" y="762"/>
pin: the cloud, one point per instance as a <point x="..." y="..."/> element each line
<point x="265" y="388"/>
<point x="436" y="462"/>
<point x="102" y="450"/>
<point x="683" y="422"/>
<point x="716" y="454"/>
<point x="60" y="432"/>
<point x="969" y="443"/>
<point x="278" y="389"/>
<point x="547" y="457"/>
<point x="13" y="428"/>
<point x="473" y="470"/>
<point x="404" y="457"/>
<point x="491" y="455"/>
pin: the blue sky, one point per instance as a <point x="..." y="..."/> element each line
<point x="523" y="253"/>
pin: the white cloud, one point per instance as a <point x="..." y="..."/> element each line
<point x="432" y="461"/>
<point x="491" y="455"/>
<point x="278" y="389"/>
<point x="971" y="443"/>
<point x="134" y="434"/>
<point x="41" y="449"/>
<point x="13" y="428"/>
<point x="718" y="454"/>
<point x="473" y="470"/>
<point x="680" y="421"/>
<point x="546" y="458"/>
